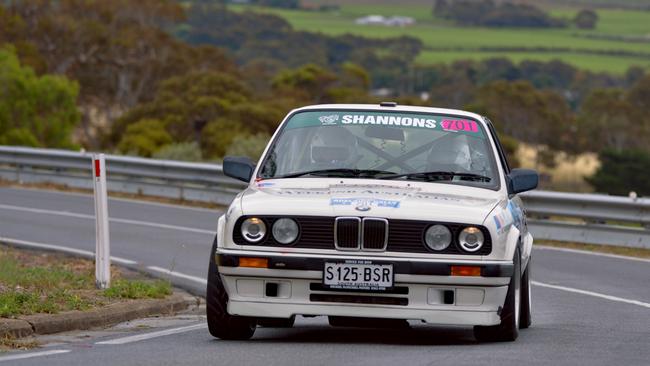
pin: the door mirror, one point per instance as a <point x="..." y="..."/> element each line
<point x="522" y="180"/>
<point x="238" y="167"/>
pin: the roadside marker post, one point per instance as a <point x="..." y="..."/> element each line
<point x="102" y="239"/>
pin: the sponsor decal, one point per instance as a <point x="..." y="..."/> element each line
<point x="265" y="184"/>
<point x="328" y="120"/>
<point x="387" y="120"/>
<point x="364" y="204"/>
<point x="459" y="125"/>
<point x="392" y="119"/>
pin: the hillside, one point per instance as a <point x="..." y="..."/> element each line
<point x="621" y="38"/>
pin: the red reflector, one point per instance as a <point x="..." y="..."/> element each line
<point x="465" y="271"/>
<point x="97" y="169"/>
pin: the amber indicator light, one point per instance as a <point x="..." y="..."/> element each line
<point x="465" y="271"/>
<point x="253" y="262"/>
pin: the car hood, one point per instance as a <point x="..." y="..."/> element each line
<point x="369" y="198"/>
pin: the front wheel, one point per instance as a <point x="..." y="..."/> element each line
<point x="220" y="323"/>
<point x="508" y="330"/>
<point x="526" y="319"/>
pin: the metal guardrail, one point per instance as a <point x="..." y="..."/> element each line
<point x="575" y="217"/>
<point x="149" y="177"/>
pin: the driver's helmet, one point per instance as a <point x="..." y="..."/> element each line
<point x="450" y="153"/>
<point x="334" y="147"/>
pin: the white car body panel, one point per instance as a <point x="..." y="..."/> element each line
<point x="478" y="300"/>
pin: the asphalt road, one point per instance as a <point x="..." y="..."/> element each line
<point x="588" y="309"/>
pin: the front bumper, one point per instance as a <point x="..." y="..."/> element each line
<point x="423" y="289"/>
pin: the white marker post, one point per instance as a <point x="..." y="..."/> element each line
<point x="102" y="240"/>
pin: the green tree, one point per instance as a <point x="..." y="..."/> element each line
<point x="528" y="114"/>
<point x="144" y="138"/>
<point x="184" y="151"/>
<point x="586" y="19"/>
<point x="621" y="172"/>
<point x="607" y="120"/>
<point x="35" y="111"/>
<point x="249" y="145"/>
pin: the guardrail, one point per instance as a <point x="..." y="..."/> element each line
<point x="149" y="177"/>
<point x="575" y="217"/>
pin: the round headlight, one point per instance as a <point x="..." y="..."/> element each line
<point x="437" y="237"/>
<point x="285" y="231"/>
<point x="253" y="229"/>
<point x="471" y="239"/>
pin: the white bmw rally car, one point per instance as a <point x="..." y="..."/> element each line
<point x="370" y="214"/>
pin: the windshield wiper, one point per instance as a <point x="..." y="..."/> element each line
<point x="439" y="175"/>
<point x="347" y="172"/>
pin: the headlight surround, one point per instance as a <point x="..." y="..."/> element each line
<point x="471" y="239"/>
<point x="253" y="229"/>
<point x="437" y="237"/>
<point x="285" y="231"/>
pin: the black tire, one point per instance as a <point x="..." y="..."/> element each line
<point x="220" y="323"/>
<point x="276" y="322"/>
<point x="508" y="330"/>
<point x="525" y="316"/>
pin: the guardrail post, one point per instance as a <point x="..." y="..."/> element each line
<point x="102" y="240"/>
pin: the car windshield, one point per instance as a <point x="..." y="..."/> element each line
<point x="382" y="145"/>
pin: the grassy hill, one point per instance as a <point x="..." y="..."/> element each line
<point x="620" y="40"/>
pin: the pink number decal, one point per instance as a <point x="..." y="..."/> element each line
<point x="459" y="125"/>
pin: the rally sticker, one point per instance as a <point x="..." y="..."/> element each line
<point x="364" y="202"/>
<point x="459" y="125"/>
<point x="399" y="120"/>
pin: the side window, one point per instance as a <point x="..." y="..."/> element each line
<point x="502" y="155"/>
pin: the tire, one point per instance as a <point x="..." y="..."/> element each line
<point x="525" y="317"/>
<point x="276" y="322"/>
<point x="220" y="323"/>
<point x="508" y="330"/>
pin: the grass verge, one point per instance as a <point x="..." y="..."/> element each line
<point x="609" y="249"/>
<point x="33" y="282"/>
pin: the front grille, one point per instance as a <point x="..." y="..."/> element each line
<point x="375" y="234"/>
<point x="318" y="232"/>
<point x="347" y="233"/>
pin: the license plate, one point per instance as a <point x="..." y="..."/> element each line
<point x="358" y="275"/>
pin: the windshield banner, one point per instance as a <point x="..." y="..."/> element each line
<point x="388" y="119"/>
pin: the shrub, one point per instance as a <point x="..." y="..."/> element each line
<point x="621" y="172"/>
<point x="185" y="151"/>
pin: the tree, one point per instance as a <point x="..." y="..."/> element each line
<point x="35" y="111"/>
<point x="527" y="114"/>
<point x="621" y="172"/>
<point x="144" y="138"/>
<point x="586" y="19"/>
<point x="440" y="8"/>
<point x="607" y="121"/>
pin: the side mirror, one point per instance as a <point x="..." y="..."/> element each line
<point x="238" y="167"/>
<point x="522" y="180"/>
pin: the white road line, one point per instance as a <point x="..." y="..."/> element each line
<point x="594" y="294"/>
<point x="162" y="333"/>
<point x="598" y="254"/>
<point x="33" y="354"/>
<point x="118" y="220"/>
<point x="202" y="281"/>
<point x="60" y="248"/>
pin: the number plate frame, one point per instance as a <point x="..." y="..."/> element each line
<point x="373" y="286"/>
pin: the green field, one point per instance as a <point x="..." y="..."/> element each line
<point x="601" y="49"/>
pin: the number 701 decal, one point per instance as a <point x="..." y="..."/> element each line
<point x="459" y="125"/>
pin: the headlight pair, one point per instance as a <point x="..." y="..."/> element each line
<point x="439" y="237"/>
<point x="284" y="230"/>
